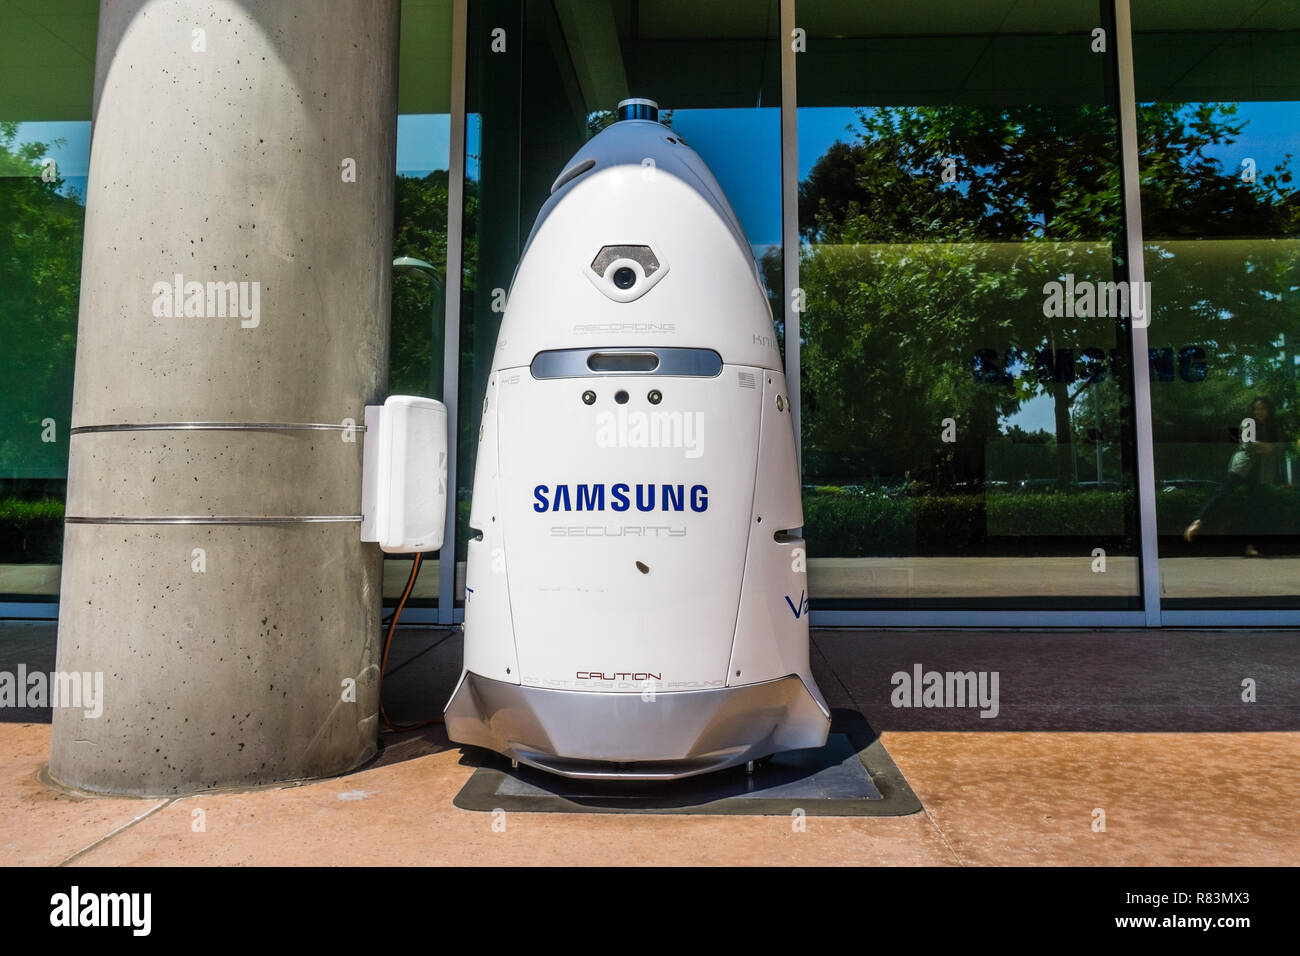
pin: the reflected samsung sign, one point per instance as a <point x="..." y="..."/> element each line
<point x="1089" y="365"/>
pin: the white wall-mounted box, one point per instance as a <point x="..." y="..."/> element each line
<point x="404" y="481"/>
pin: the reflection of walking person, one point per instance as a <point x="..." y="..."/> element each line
<point x="1253" y="465"/>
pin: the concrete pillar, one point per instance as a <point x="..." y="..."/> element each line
<point x="214" y="576"/>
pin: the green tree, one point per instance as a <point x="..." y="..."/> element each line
<point x="908" y="273"/>
<point x="1222" y="253"/>
<point x="420" y="231"/>
<point x="40" y="274"/>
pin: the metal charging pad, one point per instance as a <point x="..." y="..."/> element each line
<point x="851" y="776"/>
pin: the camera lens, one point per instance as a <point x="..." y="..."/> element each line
<point x="624" y="277"/>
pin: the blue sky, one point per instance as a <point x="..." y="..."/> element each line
<point x="741" y="146"/>
<point x="423" y="143"/>
<point x="743" y="149"/>
<point x="1273" y="131"/>
<point x="72" y="157"/>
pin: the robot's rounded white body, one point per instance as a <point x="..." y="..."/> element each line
<point x="635" y="601"/>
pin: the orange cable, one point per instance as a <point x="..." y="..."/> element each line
<point x="388" y="641"/>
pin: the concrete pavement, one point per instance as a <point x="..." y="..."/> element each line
<point x="1149" y="728"/>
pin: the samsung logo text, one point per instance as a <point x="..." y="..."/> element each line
<point x="621" y="497"/>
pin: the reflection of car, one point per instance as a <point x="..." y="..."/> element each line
<point x="980" y="487"/>
<point x="1175" y="484"/>
<point x="1054" y="484"/>
<point x="834" y="489"/>
<point x="1039" y="484"/>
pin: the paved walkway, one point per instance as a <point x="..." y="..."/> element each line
<point x="1148" y="727"/>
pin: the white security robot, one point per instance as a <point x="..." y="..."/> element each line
<point x="635" y="597"/>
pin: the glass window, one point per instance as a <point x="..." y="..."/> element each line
<point x="966" y="367"/>
<point x="551" y="79"/>
<point x="47" y="60"/>
<point x="1218" y="89"/>
<point x="417" y="339"/>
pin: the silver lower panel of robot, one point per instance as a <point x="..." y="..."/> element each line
<point x="663" y="736"/>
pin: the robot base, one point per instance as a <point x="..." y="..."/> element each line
<point x="586" y="734"/>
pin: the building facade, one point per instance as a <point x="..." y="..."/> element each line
<point x="1033" y="269"/>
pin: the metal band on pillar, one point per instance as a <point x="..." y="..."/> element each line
<point x="217" y="519"/>
<point x="215" y="426"/>
<point x="214" y="519"/>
